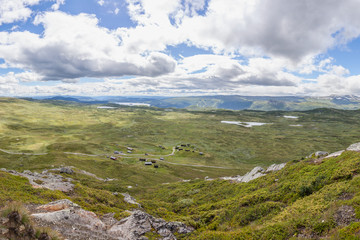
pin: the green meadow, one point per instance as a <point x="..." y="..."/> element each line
<point x="57" y="127"/>
<point x="300" y="200"/>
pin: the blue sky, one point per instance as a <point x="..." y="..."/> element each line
<point x="179" y="47"/>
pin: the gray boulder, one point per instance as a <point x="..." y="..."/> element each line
<point x="321" y="154"/>
<point x="354" y="147"/>
<point x="66" y="170"/>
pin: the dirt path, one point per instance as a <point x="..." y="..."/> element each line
<point x="124" y="156"/>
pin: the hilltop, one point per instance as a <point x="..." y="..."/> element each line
<point x="231" y="102"/>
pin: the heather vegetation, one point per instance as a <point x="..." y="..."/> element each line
<point x="309" y="198"/>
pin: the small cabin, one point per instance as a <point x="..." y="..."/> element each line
<point x="153" y="161"/>
<point x="146" y="154"/>
<point x="148" y="163"/>
<point x="201" y="153"/>
<point x="187" y="150"/>
<point x="142" y="159"/>
<point x="129" y="148"/>
<point x="156" y="166"/>
<point x="113" y="158"/>
<point x="183" y="145"/>
<point x="116" y="152"/>
<point x="180" y="149"/>
<point x="129" y="151"/>
<point x="162" y="159"/>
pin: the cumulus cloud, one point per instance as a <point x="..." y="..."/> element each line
<point x="15" y="10"/>
<point x="290" y="29"/>
<point x="75" y="46"/>
<point x="258" y="46"/>
<point x="57" y="5"/>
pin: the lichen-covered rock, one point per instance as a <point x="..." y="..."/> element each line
<point x="335" y="154"/>
<point x="255" y="173"/>
<point x="354" y="147"/>
<point x="321" y="154"/>
<point x="46" y="180"/>
<point x="275" y="167"/>
<point x="129" y="199"/>
<point x="73" y="222"/>
<point x="345" y="215"/>
<point x="66" y="170"/>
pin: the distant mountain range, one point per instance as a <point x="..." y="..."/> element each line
<point x="233" y="102"/>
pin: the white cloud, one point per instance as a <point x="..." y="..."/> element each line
<point x="279" y="41"/>
<point x="291" y="29"/>
<point x="15" y="10"/>
<point x="101" y="2"/>
<point x="56" y="6"/>
<point x="75" y="46"/>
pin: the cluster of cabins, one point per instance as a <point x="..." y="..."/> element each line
<point x="182" y="147"/>
<point x="149" y="163"/>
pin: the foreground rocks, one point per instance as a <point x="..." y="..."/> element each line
<point x="73" y="222"/>
<point x="45" y="179"/>
<point x="255" y="173"/>
<point x="354" y="147"/>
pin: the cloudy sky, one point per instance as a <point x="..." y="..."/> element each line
<point x="179" y="47"/>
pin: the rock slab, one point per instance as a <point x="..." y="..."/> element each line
<point x="73" y="222"/>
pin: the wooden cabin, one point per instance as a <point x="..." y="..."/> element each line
<point x="148" y="163"/>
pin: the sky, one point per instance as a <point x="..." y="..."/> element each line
<point x="179" y="47"/>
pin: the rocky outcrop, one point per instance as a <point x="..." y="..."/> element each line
<point x="256" y="173"/>
<point x="335" y="154"/>
<point x="354" y="147"/>
<point x="345" y="215"/>
<point x="129" y="199"/>
<point x="45" y="180"/>
<point x="139" y="223"/>
<point x="321" y="154"/>
<point x="76" y="223"/>
<point x="275" y="167"/>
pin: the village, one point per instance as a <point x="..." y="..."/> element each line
<point x="149" y="159"/>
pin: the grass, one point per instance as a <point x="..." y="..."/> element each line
<point x="301" y="199"/>
<point x="267" y="207"/>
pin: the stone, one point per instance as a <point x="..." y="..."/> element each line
<point x="46" y="180"/>
<point x="335" y="154"/>
<point x="321" y="154"/>
<point x="354" y="147"/>
<point x="345" y="215"/>
<point x="255" y="173"/>
<point x="130" y="199"/>
<point x="73" y="222"/>
<point x="66" y="170"/>
<point x="275" y="167"/>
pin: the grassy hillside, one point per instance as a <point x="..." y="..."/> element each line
<point x="307" y="199"/>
